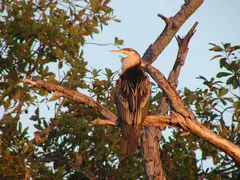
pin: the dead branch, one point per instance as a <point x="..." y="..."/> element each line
<point x="70" y="94"/>
<point x="167" y="20"/>
<point x="187" y="118"/>
<point x="169" y="31"/>
<point x="152" y="135"/>
<point x="171" y="93"/>
<point x="174" y="74"/>
<point x="157" y="121"/>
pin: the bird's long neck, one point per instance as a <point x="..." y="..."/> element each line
<point x="133" y="75"/>
<point x="130" y="61"/>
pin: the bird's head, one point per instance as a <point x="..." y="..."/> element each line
<point x="132" y="58"/>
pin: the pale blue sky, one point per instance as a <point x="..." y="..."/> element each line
<point x="219" y="21"/>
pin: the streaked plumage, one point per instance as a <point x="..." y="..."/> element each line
<point x="132" y="100"/>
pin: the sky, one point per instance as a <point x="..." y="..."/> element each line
<point x="140" y="26"/>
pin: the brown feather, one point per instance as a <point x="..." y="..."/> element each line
<point x="132" y="100"/>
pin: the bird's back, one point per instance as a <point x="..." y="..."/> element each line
<point x="132" y="99"/>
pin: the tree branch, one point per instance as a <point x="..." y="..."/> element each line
<point x="150" y="55"/>
<point x="157" y="121"/>
<point x="174" y="74"/>
<point x="188" y="121"/>
<point x="181" y="115"/>
<point x="172" y="26"/>
<point x="70" y="94"/>
<point x="41" y="134"/>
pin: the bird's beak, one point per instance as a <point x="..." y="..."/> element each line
<point x="118" y="51"/>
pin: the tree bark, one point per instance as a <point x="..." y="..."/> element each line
<point x="172" y="26"/>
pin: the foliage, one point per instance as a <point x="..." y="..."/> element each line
<point x="46" y="39"/>
<point x="217" y="106"/>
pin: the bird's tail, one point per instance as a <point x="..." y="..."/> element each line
<point x="129" y="141"/>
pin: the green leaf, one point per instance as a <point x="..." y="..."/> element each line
<point x="59" y="53"/>
<point x="38" y="127"/>
<point x="45" y="123"/>
<point x="229" y="99"/>
<point x="118" y="41"/>
<point x="222" y="62"/>
<point x="230" y="80"/>
<point x="34" y="118"/>
<point x="19" y="127"/>
<point x="214" y="57"/>
<point x="216" y="49"/>
<point x="222" y="92"/>
<point x="201" y="77"/>
<point x="223" y="74"/>
<point x="236" y="104"/>
<point x="227" y="46"/>
<point x="52" y="5"/>
<point x="233" y="48"/>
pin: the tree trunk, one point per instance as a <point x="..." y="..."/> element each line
<point x="151" y="154"/>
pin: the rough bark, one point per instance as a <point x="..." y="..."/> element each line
<point x="151" y="154"/>
<point x="172" y="26"/>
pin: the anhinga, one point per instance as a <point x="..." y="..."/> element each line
<point x="132" y="99"/>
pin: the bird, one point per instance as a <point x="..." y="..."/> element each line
<point x="132" y="99"/>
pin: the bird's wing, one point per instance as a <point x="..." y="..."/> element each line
<point x="122" y="102"/>
<point x="133" y="102"/>
<point x="142" y="101"/>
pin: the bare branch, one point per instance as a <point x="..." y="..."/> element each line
<point x="187" y="120"/>
<point x="103" y="122"/>
<point x="206" y="134"/>
<point x="174" y="74"/>
<point x="169" y="32"/>
<point x="70" y="94"/>
<point x="78" y="169"/>
<point x="153" y="165"/>
<point x="167" y="20"/>
<point x="157" y="121"/>
<point x="171" y="93"/>
<point x="75" y="96"/>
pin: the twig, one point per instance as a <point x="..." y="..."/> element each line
<point x="167" y="20"/>
<point x="85" y="173"/>
<point x="41" y="134"/>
